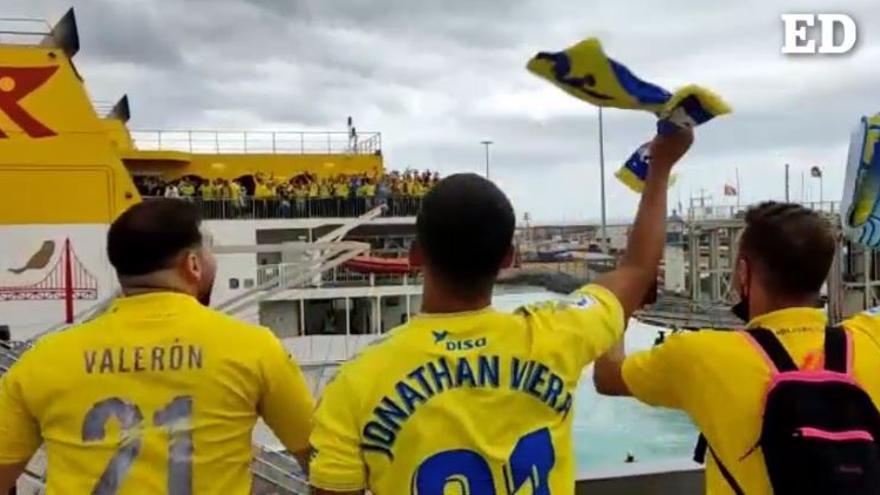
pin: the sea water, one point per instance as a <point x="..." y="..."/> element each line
<point x="606" y="429"/>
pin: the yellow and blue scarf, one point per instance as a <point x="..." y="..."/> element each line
<point x="860" y="206"/>
<point x="585" y="72"/>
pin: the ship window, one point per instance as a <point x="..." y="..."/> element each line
<point x="248" y="283"/>
<point x="233" y="283"/>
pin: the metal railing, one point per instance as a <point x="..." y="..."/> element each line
<point x="23" y="30"/>
<point x="103" y="107"/>
<point x="252" y="142"/>
<point x="338" y="277"/>
<point x="279" y="471"/>
<point x="276" y="208"/>
<point x="723" y="212"/>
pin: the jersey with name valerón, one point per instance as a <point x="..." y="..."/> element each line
<point x="158" y="395"/>
<point x="481" y="402"/>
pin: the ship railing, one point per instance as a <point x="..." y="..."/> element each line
<point x="339" y="277"/>
<point x="280" y="471"/>
<point x="258" y="142"/>
<point x="23" y="31"/>
<point x="275" y="208"/>
<point x="103" y="107"/>
<point x="724" y="212"/>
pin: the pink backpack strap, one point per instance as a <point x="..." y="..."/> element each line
<point x="771" y="349"/>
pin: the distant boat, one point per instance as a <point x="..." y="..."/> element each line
<point x="558" y="255"/>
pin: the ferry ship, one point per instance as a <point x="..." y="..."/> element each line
<point x="327" y="275"/>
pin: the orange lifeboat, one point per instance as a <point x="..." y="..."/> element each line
<point x="375" y="264"/>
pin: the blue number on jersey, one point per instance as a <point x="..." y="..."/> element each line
<point x="531" y="461"/>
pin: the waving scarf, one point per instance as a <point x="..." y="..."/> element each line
<point x="585" y="72"/>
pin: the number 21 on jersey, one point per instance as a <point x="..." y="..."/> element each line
<point x="174" y="417"/>
<point x="531" y="461"/>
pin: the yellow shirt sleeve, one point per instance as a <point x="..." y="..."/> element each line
<point x="587" y="323"/>
<point x="337" y="464"/>
<point x="19" y="429"/>
<point x="867" y="322"/>
<point x="659" y="376"/>
<point x="286" y="403"/>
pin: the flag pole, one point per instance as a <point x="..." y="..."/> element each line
<point x="738" y="189"/>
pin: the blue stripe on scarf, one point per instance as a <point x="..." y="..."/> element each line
<point x="642" y="91"/>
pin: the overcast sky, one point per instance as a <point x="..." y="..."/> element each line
<point x="437" y="77"/>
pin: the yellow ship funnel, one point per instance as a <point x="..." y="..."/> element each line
<point x="58" y="158"/>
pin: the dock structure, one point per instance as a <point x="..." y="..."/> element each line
<point x="696" y="283"/>
<point x="701" y="251"/>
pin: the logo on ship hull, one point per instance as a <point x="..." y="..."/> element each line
<point x="67" y="279"/>
<point x="15" y="84"/>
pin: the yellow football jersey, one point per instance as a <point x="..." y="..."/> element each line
<point x="479" y="402"/>
<point x="158" y="395"/>
<point x="720" y="380"/>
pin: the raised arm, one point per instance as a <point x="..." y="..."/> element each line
<point x="637" y="272"/>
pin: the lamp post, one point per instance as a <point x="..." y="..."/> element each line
<point x="602" y="179"/>
<point x="817" y="173"/>
<point x="486" y="143"/>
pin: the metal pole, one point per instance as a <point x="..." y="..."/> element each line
<point x="738" y="190"/>
<point x="486" y="143"/>
<point x="787" y="199"/>
<point x="602" y="180"/>
<point x="803" y="188"/>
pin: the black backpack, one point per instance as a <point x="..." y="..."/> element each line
<point x="820" y="429"/>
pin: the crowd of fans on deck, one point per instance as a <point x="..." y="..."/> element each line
<point x="303" y="195"/>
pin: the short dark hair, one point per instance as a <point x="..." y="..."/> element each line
<point x="465" y="229"/>
<point x="792" y="245"/>
<point x="149" y="235"/>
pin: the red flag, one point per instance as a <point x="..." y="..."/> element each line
<point x="730" y="190"/>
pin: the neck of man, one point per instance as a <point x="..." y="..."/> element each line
<point x="762" y="306"/>
<point x="437" y="299"/>
<point x="153" y="282"/>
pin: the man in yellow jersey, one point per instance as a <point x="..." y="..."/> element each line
<point x="467" y="397"/>
<point x="159" y="394"/>
<point x="720" y="378"/>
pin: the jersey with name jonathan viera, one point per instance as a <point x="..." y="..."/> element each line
<point x="158" y="395"/>
<point x="479" y="400"/>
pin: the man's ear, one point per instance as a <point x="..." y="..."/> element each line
<point x="742" y="274"/>
<point x="416" y="256"/>
<point x="190" y="266"/>
<point x="507" y="261"/>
